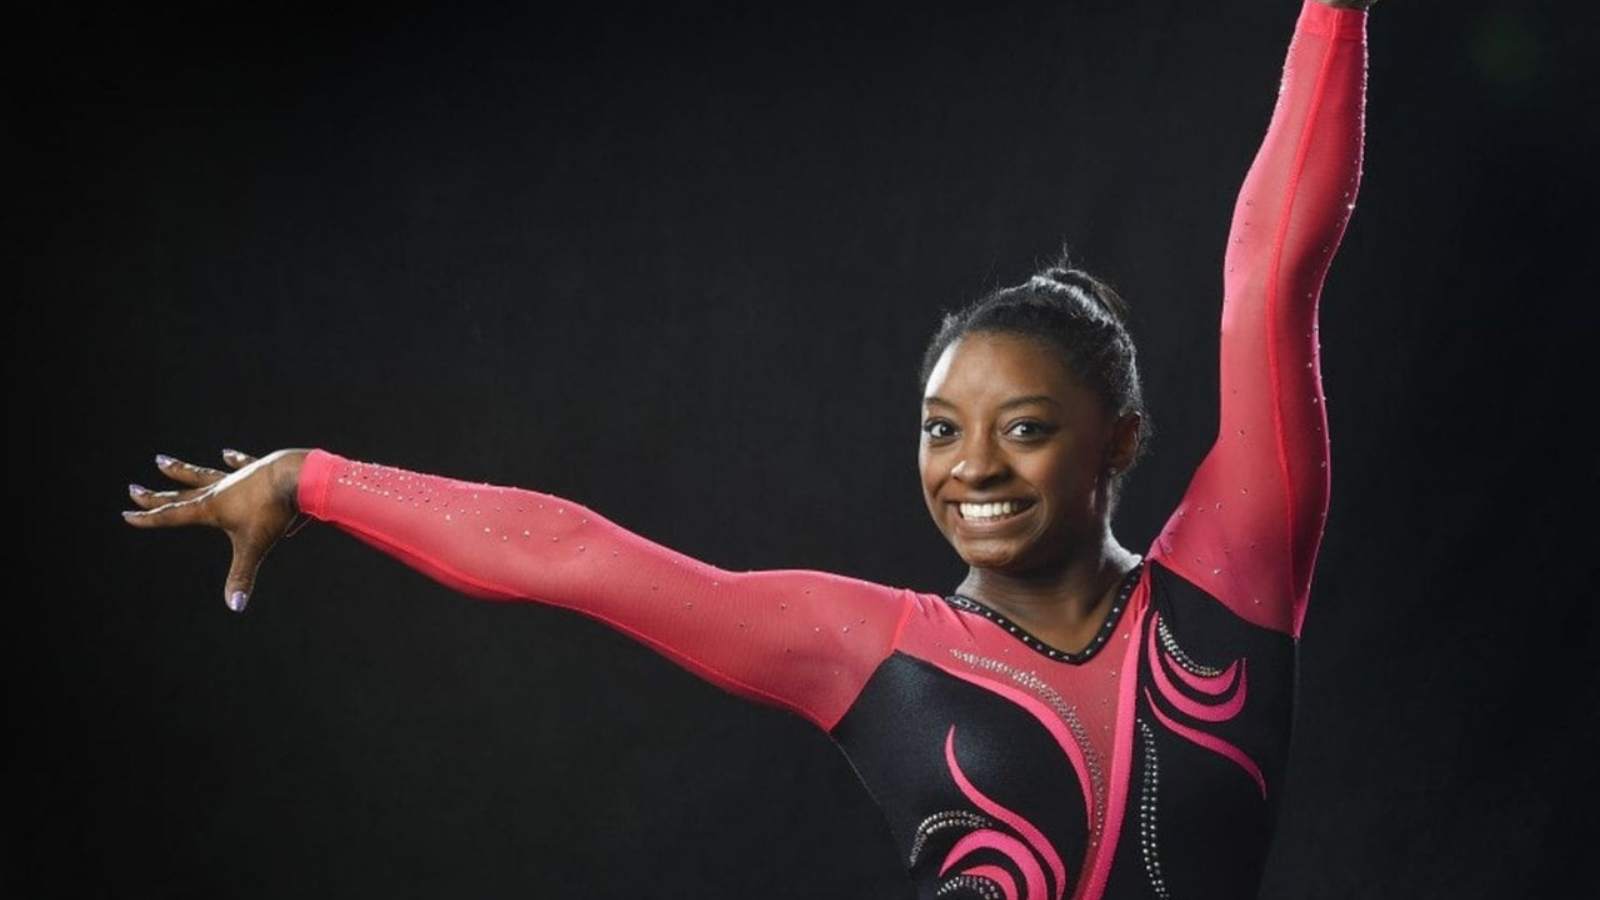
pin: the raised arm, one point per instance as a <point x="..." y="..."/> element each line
<point x="802" y="640"/>
<point x="1250" y="523"/>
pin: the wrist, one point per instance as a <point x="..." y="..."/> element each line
<point x="284" y="476"/>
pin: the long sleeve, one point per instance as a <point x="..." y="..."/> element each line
<point x="1250" y="524"/>
<point x="801" y="640"/>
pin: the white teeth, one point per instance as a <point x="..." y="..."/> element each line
<point x="990" y="510"/>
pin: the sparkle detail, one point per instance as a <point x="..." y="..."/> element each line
<point x="1183" y="659"/>
<point x="1107" y="628"/>
<point x="949" y="818"/>
<point x="983" y="887"/>
<point x="1147" y="812"/>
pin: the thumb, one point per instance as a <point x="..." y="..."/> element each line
<point x="241" y="581"/>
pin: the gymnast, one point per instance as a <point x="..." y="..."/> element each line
<point x="1072" y="720"/>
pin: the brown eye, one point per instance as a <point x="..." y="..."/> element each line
<point x="929" y="427"/>
<point x="1038" y="428"/>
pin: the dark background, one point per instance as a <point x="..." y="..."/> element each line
<point x="679" y="266"/>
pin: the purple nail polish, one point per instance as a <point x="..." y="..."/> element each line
<point x="237" y="600"/>
<point x="137" y="489"/>
<point x="162" y="459"/>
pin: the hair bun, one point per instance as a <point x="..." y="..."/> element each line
<point x="1076" y="277"/>
<point x="1103" y="294"/>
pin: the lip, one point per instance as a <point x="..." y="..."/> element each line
<point x="971" y="525"/>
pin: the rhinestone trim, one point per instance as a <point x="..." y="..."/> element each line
<point x="1176" y="652"/>
<point x="1129" y="582"/>
<point x="1068" y="714"/>
<point x="1147" y="812"/>
<point x="983" y="887"/>
<point x="941" y="820"/>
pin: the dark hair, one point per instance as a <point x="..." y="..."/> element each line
<point x="1081" y="317"/>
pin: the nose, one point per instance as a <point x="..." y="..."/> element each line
<point x="980" y="461"/>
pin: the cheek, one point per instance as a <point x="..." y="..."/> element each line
<point x="929" y="470"/>
<point x="1065" y="479"/>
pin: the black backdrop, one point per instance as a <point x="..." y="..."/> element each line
<point x="679" y="266"/>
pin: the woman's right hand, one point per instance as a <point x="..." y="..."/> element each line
<point x="253" y="505"/>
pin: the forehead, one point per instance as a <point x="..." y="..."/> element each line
<point x="987" y="368"/>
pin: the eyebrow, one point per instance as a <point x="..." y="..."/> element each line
<point x="935" y="400"/>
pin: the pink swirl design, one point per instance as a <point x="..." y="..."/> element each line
<point x="1217" y="712"/>
<point x="1205" y="684"/>
<point x="1049" y="715"/>
<point x="1025" y="856"/>
<point x="1212" y="743"/>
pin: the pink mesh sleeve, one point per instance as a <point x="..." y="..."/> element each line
<point x="802" y="640"/>
<point x="1250" y="524"/>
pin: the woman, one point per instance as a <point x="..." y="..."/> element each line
<point x="1076" y="719"/>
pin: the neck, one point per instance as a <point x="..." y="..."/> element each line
<point x="1069" y="595"/>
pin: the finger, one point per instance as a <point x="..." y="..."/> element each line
<point x="235" y="458"/>
<point x="241" y="581"/>
<point x="150" y="499"/>
<point x="188" y="473"/>
<point x="183" y="512"/>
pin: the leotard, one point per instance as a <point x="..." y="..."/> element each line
<point x="1148" y="764"/>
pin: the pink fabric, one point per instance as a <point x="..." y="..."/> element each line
<point x="803" y="640"/>
<point x="1092" y="886"/>
<point x="1251" y="522"/>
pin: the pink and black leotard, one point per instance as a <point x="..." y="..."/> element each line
<point x="1148" y="764"/>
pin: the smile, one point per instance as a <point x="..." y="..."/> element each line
<point x="992" y="512"/>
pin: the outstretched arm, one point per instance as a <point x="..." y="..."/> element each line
<point x="802" y="640"/>
<point x="1249" y="526"/>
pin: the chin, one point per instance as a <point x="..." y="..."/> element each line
<point x="987" y="559"/>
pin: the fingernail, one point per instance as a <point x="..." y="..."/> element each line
<point x="128" y="514"/>
<point x="229" y="451"/>
<point x="237" y="600"/>
<point x="162" y="459"/>
<point x="138" y="490"/>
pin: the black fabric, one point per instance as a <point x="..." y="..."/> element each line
<point x="1194" y="823"/>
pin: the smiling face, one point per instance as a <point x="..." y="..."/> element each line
<point x="1003" y="419"/>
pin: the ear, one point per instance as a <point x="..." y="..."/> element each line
<point x="1124" y="443"/>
